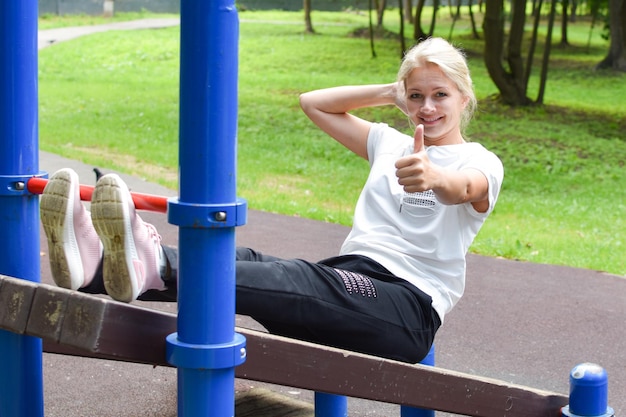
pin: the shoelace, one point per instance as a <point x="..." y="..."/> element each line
<point x="154" y="234"/>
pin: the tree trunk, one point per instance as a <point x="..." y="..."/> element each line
<point x="402" y="39"/>
<point x="434" y="19"/>
<point x="546" y="55"/>
<point x="572" y="15"/>
<point x="308" y="25"/>
<point x="616" y="58"/>
<point x="371" y="30"/>
<point x="408" y="11"/>
<point x="473" y="20"/>
<point x="564" y="21"/>
<point x="418" y="31"/>
<point x="533" y="41"/>
<point x="456" y="16"/>
<point x="516" y="37"/>
<point x="510" y="84"/>
<point x="381" y="5"/>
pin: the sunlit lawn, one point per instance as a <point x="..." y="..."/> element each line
<point x="111" y="100"/>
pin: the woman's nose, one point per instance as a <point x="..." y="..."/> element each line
<point x="428" y="105"/>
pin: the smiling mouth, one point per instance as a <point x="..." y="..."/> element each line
<point x="430" y="119"/>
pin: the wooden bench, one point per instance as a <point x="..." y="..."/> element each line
<point x="79" y="324"/>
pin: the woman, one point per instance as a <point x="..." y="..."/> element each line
<point x="400" y="270"/>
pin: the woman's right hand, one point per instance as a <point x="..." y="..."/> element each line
<point x="399" y="94"/>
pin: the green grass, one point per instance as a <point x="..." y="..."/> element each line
<point x="111" y="100"/>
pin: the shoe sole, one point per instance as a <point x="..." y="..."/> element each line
<point x="110" y="217"/>
<point x="65" y="262"/>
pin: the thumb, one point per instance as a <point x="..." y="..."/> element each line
<point x="418" y="137"/>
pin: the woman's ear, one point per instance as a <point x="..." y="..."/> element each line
<point x="466" y="101"/>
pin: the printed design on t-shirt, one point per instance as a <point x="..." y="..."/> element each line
<point x="424" y="199"/>
<point x="357" y="284"/>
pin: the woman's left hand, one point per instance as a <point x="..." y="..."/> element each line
<point x="415" y="172"/>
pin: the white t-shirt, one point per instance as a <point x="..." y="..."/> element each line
<point x="414" y="236"/>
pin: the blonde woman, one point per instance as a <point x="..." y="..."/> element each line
<point x="400" y="270"/>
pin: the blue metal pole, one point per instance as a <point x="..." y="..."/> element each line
<point x="21" y="383"/>
<point x="206" y="348"/>
<point x="330" y="405"/>
<point x="421" y="412"/>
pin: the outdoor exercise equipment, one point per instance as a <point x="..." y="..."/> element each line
<point x="142" y="201"/>
<point x="76" y="323"/>
<point x="202" y="344"/>
<point x="205" y="347"/>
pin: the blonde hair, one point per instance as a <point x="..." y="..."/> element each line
<point x="452" y="63"/>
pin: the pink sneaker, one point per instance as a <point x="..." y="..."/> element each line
<point x="133" y="257"/>
<point x="73" y="244"/>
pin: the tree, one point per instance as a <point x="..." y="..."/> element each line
<point x="371" y="29"/>
<point x="381" y="5"/>
<point x="564" y="20"/>
<point x="408" y="11"/>
<point x="616" y="57"/>
<point x="418" y="31"/>
<point x="546" y="54"/>
<point x="510" y="82"/>
<point x="596" y="8"/>
<point x="472" y="20"/>
<point x="307" y="17"/>
<point x="402" y="39"/>
<point x="454" y="15"/>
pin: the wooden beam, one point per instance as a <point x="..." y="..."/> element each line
<point x="304" y="365"/>
<point x="74" y="323"/>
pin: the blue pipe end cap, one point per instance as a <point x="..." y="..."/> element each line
<point x="588" y="395"/>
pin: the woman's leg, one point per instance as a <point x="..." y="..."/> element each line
<point x="318" y="303"/>
<point x="321" y="304"/>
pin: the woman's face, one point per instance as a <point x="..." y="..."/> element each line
<point x="434" y="101"/>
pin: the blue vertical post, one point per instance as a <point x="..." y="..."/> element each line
<point x="21" y="383"/>
<point x="205" y="348"/>
<point x="330" y="405"/>
<point x="421" y="412"/>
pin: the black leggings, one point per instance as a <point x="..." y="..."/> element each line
<point x="350" y="302"/>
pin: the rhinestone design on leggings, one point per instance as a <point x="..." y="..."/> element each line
<point x="357" y="284"/>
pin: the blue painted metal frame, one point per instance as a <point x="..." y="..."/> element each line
<point x="21" y="381"/>
<point x="330" y="405"/>
<point x="206" y="348"/>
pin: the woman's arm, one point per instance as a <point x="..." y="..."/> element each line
<point x="329" y="110"/>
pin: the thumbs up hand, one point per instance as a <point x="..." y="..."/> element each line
<point x="415" y="172"/>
